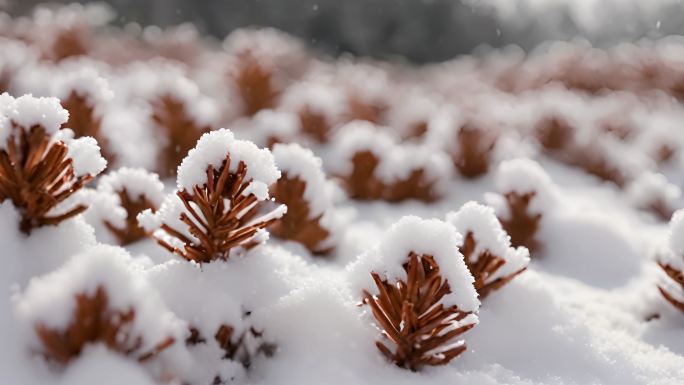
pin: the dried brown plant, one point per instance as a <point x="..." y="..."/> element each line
<point x="297" y="224"/>
<point x="484" y="266"/>
<point x="595" y="164"/>
<point x="314" y="125"/>
<point x="677" y="277"/>
<point x="661" y="209"/>
<point x="362" y="182"/>
<point x="555" y="134"/>
<point x="218" y="214"/>
<point x="475" y="146"/>
<point x="416" y="186"/>
<point x="134" y="205"/>
<point x="179" y="128"/>
<point x="413" y="319"/>
<point x="70" y="42"/>
<point x="94" y="322"/>
<point x="255" y="84"/>
<point x="521" y="225"/>
<point x="85" y="121"/>
<point x="360" y="109"/>
<point x="36" y="175"/>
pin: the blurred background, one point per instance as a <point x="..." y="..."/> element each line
<point x="418" y="30"/>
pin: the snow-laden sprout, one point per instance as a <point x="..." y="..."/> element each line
<point x="423" y="299"/>
<point x="218" y="208"/>
<point x="97" y="298"/>
<point x="653" y="192"/>
<point x="180" y="113"/>
<point x="486" y="248"/>
<point x="318" y="105"/>
<point x="524" y="194"/>
<point x="373" y="165"/>
<point x="42" y="165"/>
<point x="84" y="94"/>
<point x="307" y="194"/>
<point x="134" y="190"/>
<point x="671" y="262"/>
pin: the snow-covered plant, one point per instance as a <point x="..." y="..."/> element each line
<point x="182" y="115"/>
<point x="367" y="91"/>
<point x="304" y="190"/>
<point x="486" y="248"/>
<point x="653" y="192"/>
<point x="318" y="105"/>
<point x="424" y="297"/>
<point x="42" y="165"/>
<point x="525" y="193"/>
<point x="98" y="298"/>
<point x="373" y="165"/>
<point x="83" y="94"/>
<point x="269" y="127"/>
<point x="222" y="188"/>
<point x="555" y="134"/>
<point x="253" y="78"/>
<point x="360" y="147"/>
<point x="473" y="150"/>
<point x="671" y="263"/>
<point x="134" y="190"/>
<point x="414" y="171"/>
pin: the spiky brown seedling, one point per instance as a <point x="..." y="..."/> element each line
<point x="95" y="322"/>
<point x="360" y="109"/>
<point x="555" y="134"/>
<point x="484" y="266"/>
<point x="521" y="225"/>
<point x="70" y="42"/>
<point x="298" y="224"/>
<point x="314" y="124"/>
<point x="219" y="215"/>
<point x="36" y="175"/>
<point x="418" y="326"/>
<point x="475" y="147"/>
<point x="255" y="84"/>
<point x="134" y="205"/>
<point x="180" y="130"/>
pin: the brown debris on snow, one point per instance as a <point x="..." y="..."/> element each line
<point x="419" y="328"/>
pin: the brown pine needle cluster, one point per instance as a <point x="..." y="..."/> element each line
<point x="475" y="147"/>
<point x="676" y="276"/>
<point x="218" y="214"/>
<point x="484" y="266"/>
<point x="85" y="121"/>
<point x="94" y="322"/>
<point x="36" y="175"/>
<point x="419" y="329"/>
<point x="255" y="84"/>
<point x="362" y="183"/>
<point x="416" y="186"/>
<point x="297" y="224"/>
<point x="179" y="128"/>
<point x="134" y="205"/>
<point x="521" y="225"/>
<point x="314" y="124"/>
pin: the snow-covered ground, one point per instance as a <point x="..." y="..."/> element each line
<point x="144" y="273"/>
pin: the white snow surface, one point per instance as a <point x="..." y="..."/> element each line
<point x="136" y="181"/>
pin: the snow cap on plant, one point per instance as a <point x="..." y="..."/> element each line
<point x="269" y="127"/>
<point x="100" y="297"/>
<point x="42" y="165"/>
<point x="414" y="171"/>
<point x="222" y="193"/>
<point x="486" y="248"/>
<point x="525" y="194"/>
<point x="420" y="292"/>
<point x="305" y="191"/>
